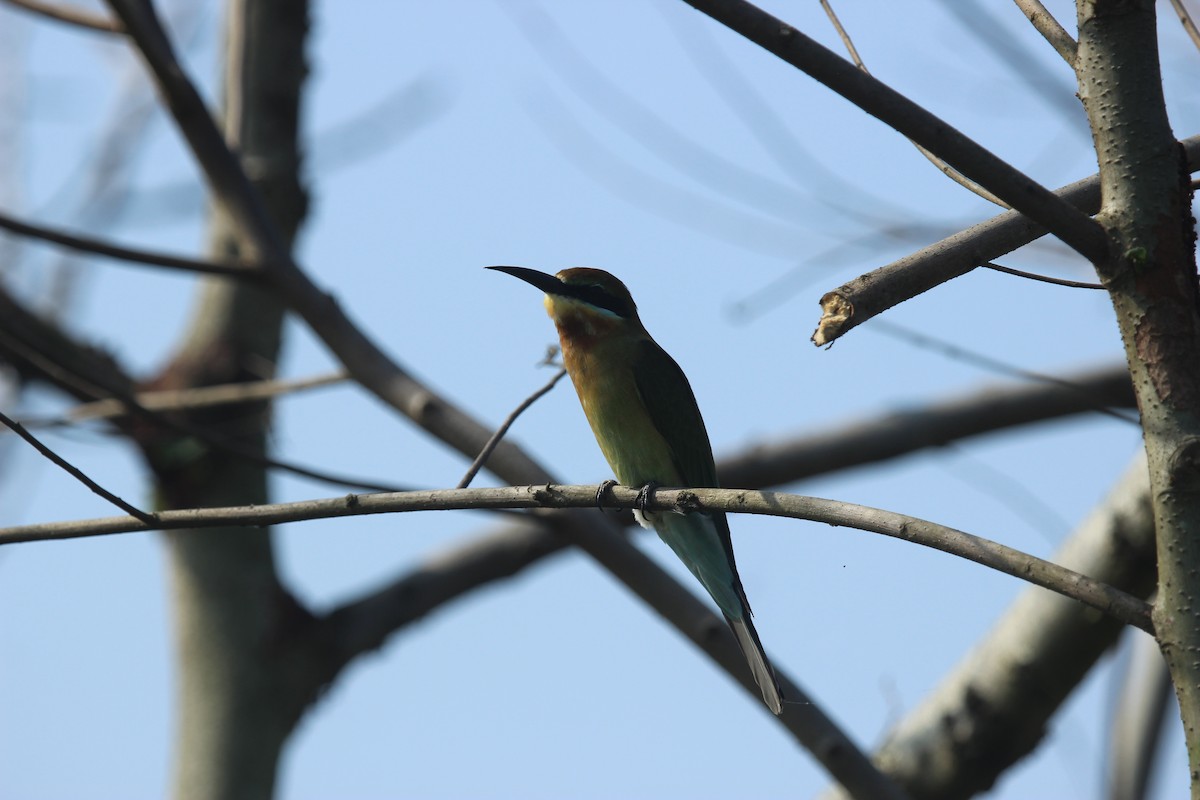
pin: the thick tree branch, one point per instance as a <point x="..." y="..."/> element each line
<point x="1042" y="573"/>
<point x="889" y="106"/>
<point x="857" y="301"/>
<point x="1151" y="276"/>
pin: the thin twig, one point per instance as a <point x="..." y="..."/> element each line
<point x="148" y="519"/>
<point x="1033" y="276"/>
<point x="1185" y="18"/>
<point x="1054" y="33"/>
<point x="482" y="458"/>
<point x="946" y="169"/>
<point x="69" y="14"/>
<point x="1126" y="608"/>
<point x="189" y="399"/>
<point x="98" y="247"/>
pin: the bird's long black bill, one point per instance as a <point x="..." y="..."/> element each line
<point x="547" y="283"/>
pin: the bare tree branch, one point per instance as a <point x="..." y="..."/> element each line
<point x="1185" y="19"/>
<point x="864" y="297"/>
<point x="74" y="16"/>
<point x="482" y="458"/>
<point x="190" y="399"/>
<point x="1050" y="29"/>
<point x="75" y="472"/>
<point x="1033" y="276"/>
<point x="97" y="247"/>
<point x="882" y="102"/>
<point x="1128" y="609"/>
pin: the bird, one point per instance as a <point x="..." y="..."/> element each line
<point x="644" y="415"/>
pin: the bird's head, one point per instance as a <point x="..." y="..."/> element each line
<point x="584" y="303"/>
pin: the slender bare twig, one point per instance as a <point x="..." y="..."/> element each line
<point x="942" y="166"/>
<point x="1019" y="191"/>
<point x="1033" y="276"/>
<point x="1044" y="23"/>
<point x="76" y="473"/>
<point x="871" y="294"/>
<point x="97" y="247"/>
<point x="188" y="399"/>
<point x="69" y="14"/>
<point x="1121" y="606"/>
<point x="1185" y="18"/>
<point x="482" y="458"/>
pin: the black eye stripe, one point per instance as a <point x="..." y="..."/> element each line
<point x="598" y="297"/>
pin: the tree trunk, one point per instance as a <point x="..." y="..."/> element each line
<point x="1151" y="277"/>
<point x="232" y="616"/>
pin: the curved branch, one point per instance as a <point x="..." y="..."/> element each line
<point x="1042" y="573"/>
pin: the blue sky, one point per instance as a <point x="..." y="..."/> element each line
<point x="552" y="135"/>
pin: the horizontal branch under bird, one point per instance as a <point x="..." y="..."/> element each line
<point x="1129" y="610"/>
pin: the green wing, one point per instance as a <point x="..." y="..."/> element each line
<point x="668" y="398"/>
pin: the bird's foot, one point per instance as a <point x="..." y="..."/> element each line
<point x="605" y="488"/>
<point x="645" y="496"/>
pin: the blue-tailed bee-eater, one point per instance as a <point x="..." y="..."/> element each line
<point x="645" y="418"/>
